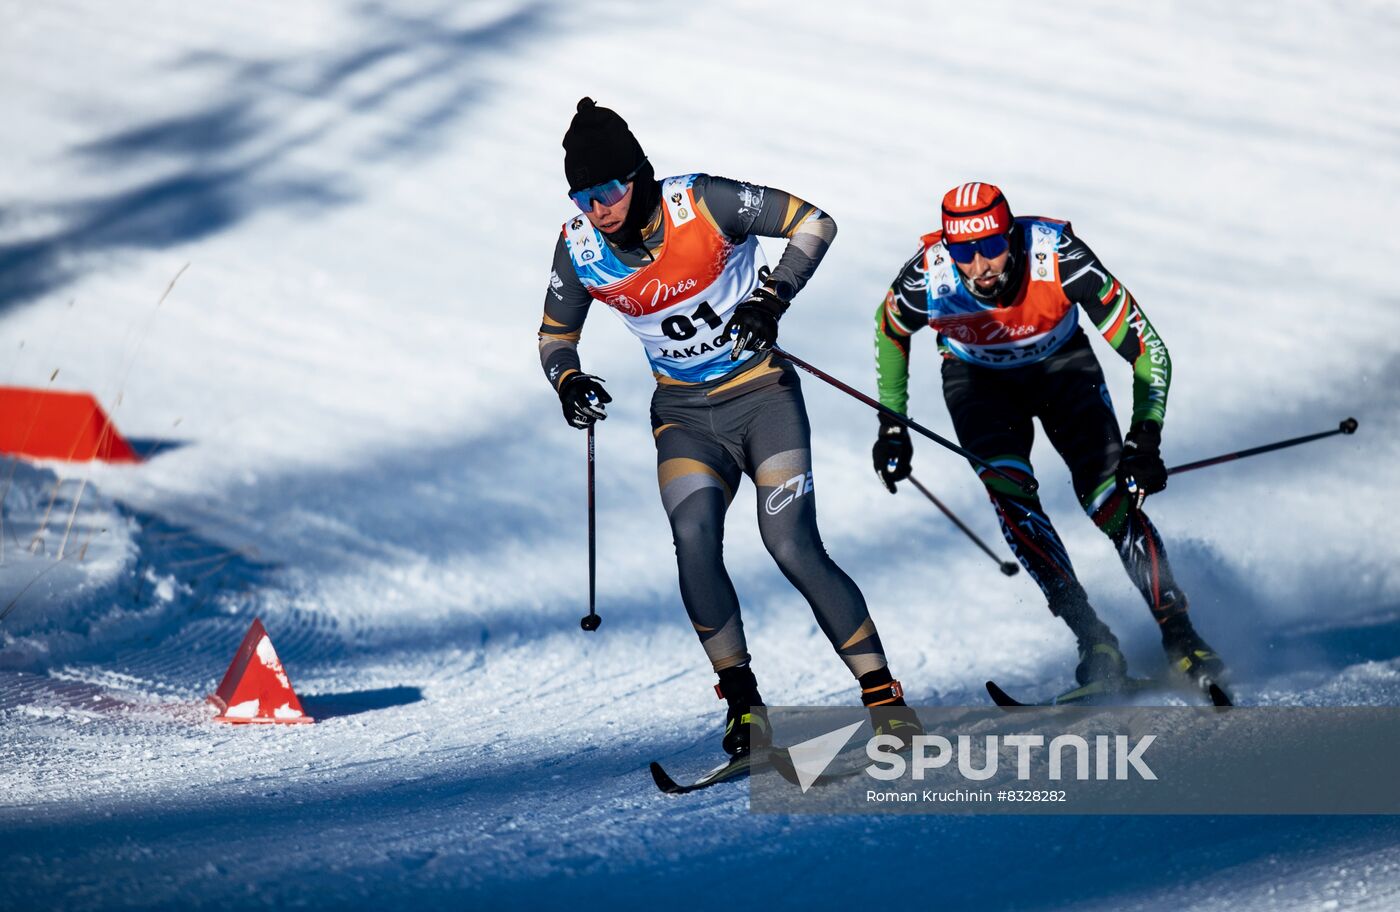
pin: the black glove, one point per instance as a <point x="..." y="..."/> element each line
<point x="583" y="398"/>
<point x="1140" y="469"/>
<point x="892" y="452"/>
<point x="754" y="326"/>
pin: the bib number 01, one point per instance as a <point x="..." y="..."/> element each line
<point x="680" y="327"/>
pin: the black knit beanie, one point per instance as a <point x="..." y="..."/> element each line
<point x="598" y="147"/>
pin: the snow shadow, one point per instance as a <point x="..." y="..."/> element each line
<point x="200" y="567"/>
<point x="466" y="829"/>
<point x="172" y="575"/>
<point x="350" y="703"/>
<point x="1372" y="639"/>
<point x="191" y="174"/>
<point x="151" y="447"/>
<point x="450" y="508"/>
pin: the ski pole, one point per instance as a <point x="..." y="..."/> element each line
<point x="1010" y="568"/>
<point x="1029" y="485"/>
<point x="591" y="621"/>
<point x="1348" y="426"/>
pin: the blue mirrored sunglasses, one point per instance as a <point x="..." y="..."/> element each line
<point x="608" y="194"/>
<point x="990" y="248"/>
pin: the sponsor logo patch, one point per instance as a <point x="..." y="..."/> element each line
<point x="972" y="225"/>
<point x="750" y="198"/>
<point x="661" y="292"/>
<point x="786" y="493"/>
<point x="624" y="304"/>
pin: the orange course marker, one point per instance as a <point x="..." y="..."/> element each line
<point x="43" y="424"/>
<point x="255" y="688"/>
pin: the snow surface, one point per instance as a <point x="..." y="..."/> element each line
<point x="359" y="447"/>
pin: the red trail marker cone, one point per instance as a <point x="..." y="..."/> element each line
<point x="45" y="424"/>
<point x="255" y="687"/>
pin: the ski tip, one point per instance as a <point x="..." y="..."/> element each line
<point x="1001" y="697"/>
<point x="1218" y="696"/>
<point x="662" y="780"/>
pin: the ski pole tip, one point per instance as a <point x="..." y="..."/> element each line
<point x="590" y="622"/>
<point x="1348" y="426"/>
<point x="1010" y="568"/>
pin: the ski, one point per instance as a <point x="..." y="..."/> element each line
<point x="852" y="763"/>
<point x="728" y="771"/>
<point x="1099" y="693"/>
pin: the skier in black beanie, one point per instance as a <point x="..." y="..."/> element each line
<point x="679" y="261"/>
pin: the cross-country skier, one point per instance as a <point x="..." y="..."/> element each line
<point x="678" y="260"/>
<point x="1004" y="295"/>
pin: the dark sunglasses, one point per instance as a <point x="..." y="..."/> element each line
<point x="990" y="248"/>
<point x="609" y="194"/>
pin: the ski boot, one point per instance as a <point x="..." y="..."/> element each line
<point x="889" y="714"/>
<point x="1190" y="655"/>
<point x="746" y="725"/>
<point x="1101" y="665"/>
<point x="1100" y="662"/>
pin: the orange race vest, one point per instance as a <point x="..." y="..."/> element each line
<point x="679" y="303"/>
<point x="1039" y="319"/>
